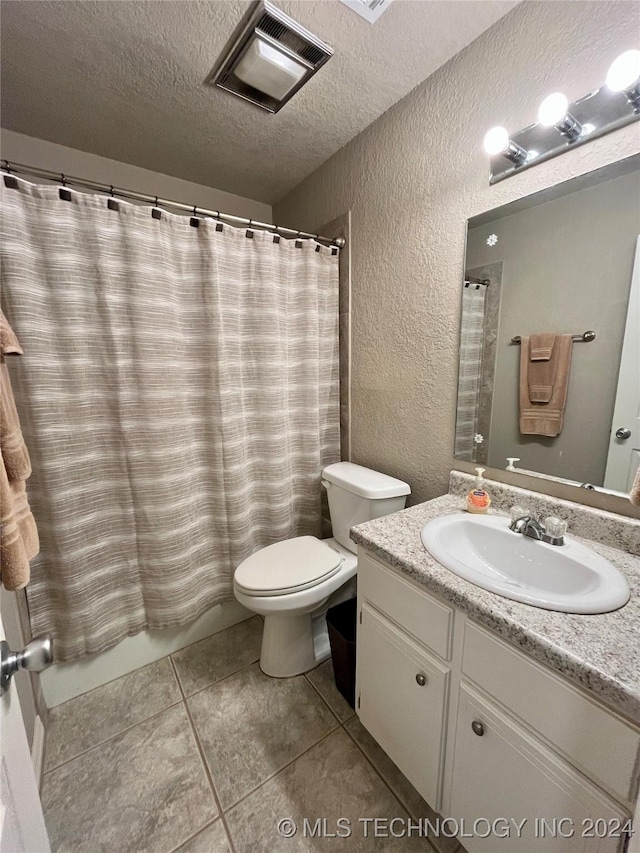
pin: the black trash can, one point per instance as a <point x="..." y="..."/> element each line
<point x="341" y="622"/>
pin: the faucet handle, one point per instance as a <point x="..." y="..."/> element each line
<point x="555" y="526"/>
<point x="518" y="511"/>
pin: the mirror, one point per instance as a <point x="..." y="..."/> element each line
<point x="564" y="261"/>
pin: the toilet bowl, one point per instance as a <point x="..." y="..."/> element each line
<point x="294" y="582"/>
<point x="294" y="639"/>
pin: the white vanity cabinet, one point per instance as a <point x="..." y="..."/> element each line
<point x="484" y="732"/>
<point x="402" y="674"/>
<point x="402" y="700"/>
<point x="500" y="771"/>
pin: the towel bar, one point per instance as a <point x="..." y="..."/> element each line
<point x="585" y="337"/>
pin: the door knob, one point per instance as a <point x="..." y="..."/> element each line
<point x="421" y="679"/>
<point x="623" y="433"/>
<point x="36" y="656"/>
<point x="478" y="728"/>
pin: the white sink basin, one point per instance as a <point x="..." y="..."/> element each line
<point x="481" y="549"/>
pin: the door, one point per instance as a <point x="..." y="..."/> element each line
<point x="503" y="777"/>
<point x="402" y="695"/>
<point x="22" y="827"/>
<point x="624" y="449"/>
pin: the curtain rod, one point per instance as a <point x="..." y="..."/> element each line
<point x="117" y="192"/>
<point x="469" y="279"/>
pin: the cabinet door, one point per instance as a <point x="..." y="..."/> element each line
<point x="501" y="772"/>
<point x="402" y="694"/>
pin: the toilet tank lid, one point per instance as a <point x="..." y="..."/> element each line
<point x="364" y="482"/>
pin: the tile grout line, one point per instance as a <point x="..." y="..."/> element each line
<point x="284" y="767"/>
<point x="207" y="771"/>
<point x="111" y="737"/>
<point x="384" y="781"/>
<point x="105" y="684"/>
<point x="184" y="648"/>
<point x="288" y="764"/>
<point x="326" y="701"/>
<point x="195" y="835"/>
<point x="151" y="663"/>
<point x="339" y="724"/>
<point x="183" y="695"/>
<point x="126" y="728"/>
<point x="209" y="636"/>
<point x="304" y="752"/>
<point x="209" y="776"/>
<point x="378" y="773"/>
<point x="217" y="681"/>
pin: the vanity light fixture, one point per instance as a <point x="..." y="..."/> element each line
<point x="554" y="112"/>
<point x="624" y="76"/>
<point x="562" y="125"/>
<point x="496" y="141"/>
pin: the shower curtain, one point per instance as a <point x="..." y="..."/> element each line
<point x="179" y="395"/>
<point x="470" y="372"/>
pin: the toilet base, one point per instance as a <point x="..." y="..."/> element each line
<point x="293" y="644"/>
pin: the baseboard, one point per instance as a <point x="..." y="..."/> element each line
<point x="37" y="749"/>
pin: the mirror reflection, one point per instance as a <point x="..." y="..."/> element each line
<point x="532" y="386"/>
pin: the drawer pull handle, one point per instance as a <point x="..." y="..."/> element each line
<point x="478" y="728"/>
<point x="421" y="679"/>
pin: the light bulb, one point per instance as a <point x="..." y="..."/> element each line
<point x="624" y="72"/>
<point x="496" y="141"/>
<point x="553" y="110"/>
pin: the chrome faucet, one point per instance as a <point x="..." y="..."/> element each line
<point x="529" y="526"/>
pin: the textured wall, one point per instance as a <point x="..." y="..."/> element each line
<point x="411" y="179"/>
<point x="81" y="164"/>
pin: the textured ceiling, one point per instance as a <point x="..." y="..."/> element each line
<point x="124" y="79"/>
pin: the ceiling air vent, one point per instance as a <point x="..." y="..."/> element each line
<point x="370" y="10"/>
<point x="270" y="60"/>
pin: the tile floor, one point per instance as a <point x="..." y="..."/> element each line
<point x="202" y="753"/>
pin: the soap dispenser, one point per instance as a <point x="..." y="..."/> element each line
<point x="478" y="499"/>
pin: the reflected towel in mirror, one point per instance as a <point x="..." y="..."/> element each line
<point x="543" y="367"/>
<point x="545" y="417"/>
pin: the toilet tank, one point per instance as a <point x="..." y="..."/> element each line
<point x="357" y="494"/>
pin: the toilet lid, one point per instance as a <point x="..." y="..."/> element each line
<point x="288" y="566"/>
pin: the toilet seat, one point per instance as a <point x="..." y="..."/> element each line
<point x="289" y="566"/>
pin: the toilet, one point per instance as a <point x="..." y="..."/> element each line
<point x="293" y="583"/>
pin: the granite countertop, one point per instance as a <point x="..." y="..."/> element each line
<point x="599" y="652"/>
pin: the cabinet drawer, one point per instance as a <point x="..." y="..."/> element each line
<point x="593" y="738"/>
<point x="417" y="612"/>
<point x="402" y="701"/>
<point x="501" y="773"/>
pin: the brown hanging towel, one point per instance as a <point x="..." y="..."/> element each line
<point x="634" y="496"/>
<point x="545" y="417"/>
<point x="18" y="532"/>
